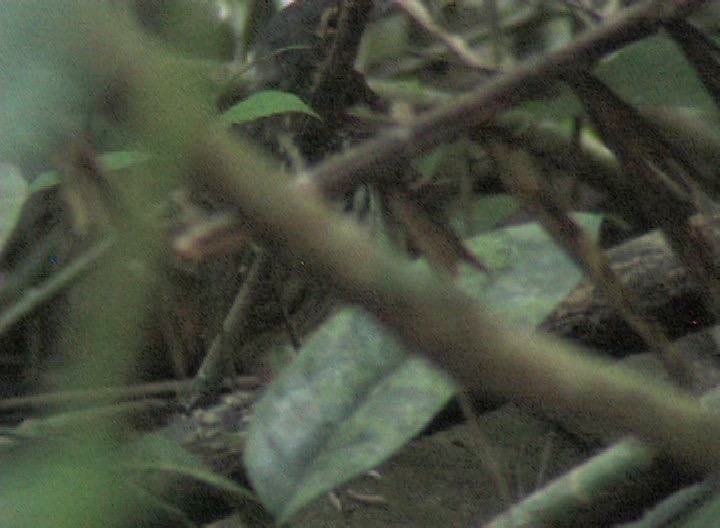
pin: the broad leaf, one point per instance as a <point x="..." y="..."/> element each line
<point x="529" y="274"/>
<point x="155" y="453"/>
<point x="350" y="400"/>
<point x="651" y="72"/>
<point x="654" y="71"/>
<point x="264" y="104"/>
<point x="352" y="397"/>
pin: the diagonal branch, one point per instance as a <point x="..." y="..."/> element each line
<point x="371" y="159"/>
<point x="432" y="316"/>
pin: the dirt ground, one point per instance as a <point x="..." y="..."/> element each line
<point x="443" y="480"/>
<point x="446" y="479"/>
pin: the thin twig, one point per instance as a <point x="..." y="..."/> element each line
<point x="485" y="452"/>
<point x="218" y="364"/>
<point x="41" y="294"/>
<point x="521" y="176"/>
<point x="454" y="43"/>
<point x="93" y="397"/>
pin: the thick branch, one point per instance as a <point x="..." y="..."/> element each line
<point x="431" y="315"/>
<point x="446" y="325"/>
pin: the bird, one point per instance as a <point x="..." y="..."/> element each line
<point x="297" y="52"/>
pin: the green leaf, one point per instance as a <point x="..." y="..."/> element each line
<point x="352" y="398"/>
<point x="384" y="39"/>
<point x="155" y="453"/>
<point x="486" y="213"/>
<point x="429" y="163"/>
<point x="529" y="274"/>
<point x="264" y="104"/>
<point x="651" y="72"/>
<point x="45" y="180"/>
<point x="558" y="106"/>
<point x="123" y="159"/>
<point x="13" y="193"/>
<point x="654" y="71"/>
<point x="114" y="161"/>
<point x="348" y="401"/>
<point x="64" y="486"/>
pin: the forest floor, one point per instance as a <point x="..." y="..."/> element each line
<point x="443" y="479"/>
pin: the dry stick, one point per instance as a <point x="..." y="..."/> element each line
<point x="454" y="43"/>
<point x="370" y="160"/>
<point x="517" y="20"/>
<point x="576" y="8"/>
<point x="337" y="68"/>
<point x="520" y="174"/>
<point x="588" y="160"/>
<point x="218" y="364"/>
<point x="425" y="309"/>
<point x="146" y="413"/>
<point x="94" y="397"/>
<point x="39" y="295"/>
<point x="485" y="451"/>
<point x="663" y="181"/>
